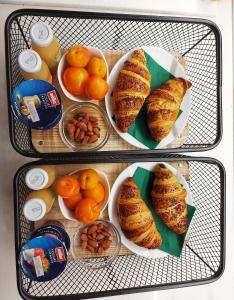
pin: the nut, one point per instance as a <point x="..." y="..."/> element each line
<point x="89" y="133"/>
<point x="92" y="229"/>
<point x="100" y="237"/>
<point x="85" y="230"/>
<point x="93" y="138"/>
<point x="83" y="237"/>
<point x="93" y="243"/>
<point x="107" y="234"/>
<point x="106" y="244"/>
<point x="85" y="140"/>
<point x="100" y="250"/>
<point x="81" y="135"/>
<point x="84" y="245"/>
<point x="77" y="133"/>
<point x="89" y="126"/>
<point x="91" y="249"/>
<point x="70" y="130"/>
<point x="82" y="126"/>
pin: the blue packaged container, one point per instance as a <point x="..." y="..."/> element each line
<point x="37" y="104"/>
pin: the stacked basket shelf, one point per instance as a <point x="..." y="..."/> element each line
<point x="199" y="43"/>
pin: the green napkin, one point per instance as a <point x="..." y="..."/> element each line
<point x="172" y="243"/>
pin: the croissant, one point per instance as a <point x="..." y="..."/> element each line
<point x="163" y="106"/>
<point x="135" y="218"/>
<point x="131" y="89"/>
<point x="168" y="198"/>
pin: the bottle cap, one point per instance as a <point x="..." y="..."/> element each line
<point x="30" y="61"/>
<point x="34" y="209"/>
<point x="36" y="179"/>
<point x="41" y="34"/>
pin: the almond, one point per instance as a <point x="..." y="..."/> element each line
<point x="82" y="126"/>
<point x="106" y="244"/>
<point x="93" y="138"/>
<point x="84" y="245"/>
<point x="89" y="126"/>
<point x="85" y="140"/>
<point x="83" y="237"/>
<point x="81" y="135"/>
<point x="100" y="250"/>
<point x="71" y="130"/>
<point x="77" y="133"/>
<point x="93" y="243"/>
<point x="89" y="133"/>
<point x="100" y="237"/>
<point x="91" y="249"/>
<point x="85" y="230"/>
<point x="92" y="229"/>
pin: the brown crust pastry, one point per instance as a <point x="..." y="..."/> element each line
<point x="131" y="89"/>
<point x="163" y="106"/>
<point x="169" y="200"/>
<point x="135" y="218"/>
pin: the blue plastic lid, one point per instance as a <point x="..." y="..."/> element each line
<point x="54" y="231"/>
<point x="43" y="258"/>
<point x="37" y="103"/>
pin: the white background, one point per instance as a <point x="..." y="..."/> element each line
<point x="219" y="11"/>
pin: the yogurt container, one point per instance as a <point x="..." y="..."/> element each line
<point x="55" y="231"/>
<point x="43" y="258"/>
<point x="37" y="103"/>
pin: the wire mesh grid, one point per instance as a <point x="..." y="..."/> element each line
<point x="201" y="259"/>
<point x="199" y="43"/>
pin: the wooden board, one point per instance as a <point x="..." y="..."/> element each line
<point x="48" y="141"/>
<point x="112" y="171"/>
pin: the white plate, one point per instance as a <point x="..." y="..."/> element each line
<point x="112" y="207"/>
<point x="168" y="62"/>
<point x="63" y="65"/>
<point x="68" y="213"/>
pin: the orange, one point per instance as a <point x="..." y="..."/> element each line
<point x="71" y="202"/>
<point x="87" y="210"/>
<point x="67" y="186"/>
<point x="97" y="66"/>
<point x="75" y="80"/>
<point x="78" y="56"/>
<point x="98" y="193"/>
<point x="88" y="179"/>
<point x="96" y="88"/>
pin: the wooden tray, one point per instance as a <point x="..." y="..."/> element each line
<point x="112" y="171"/>
<point x="48" y="141"/>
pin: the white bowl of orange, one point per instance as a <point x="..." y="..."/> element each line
<point x="83" y="74"/>
<point x="94" y="189"/>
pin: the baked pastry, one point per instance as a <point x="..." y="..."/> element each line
<point x="131" y="89"/>
<point x="163" y="106"/>
<point x="169" y="200"/>
<point x="135" y="217"/>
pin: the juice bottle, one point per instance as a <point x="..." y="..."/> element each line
<point x="40" y="178"/>
<point x="38" y="203"/>
<point x="45" y="44"/>
<point x="33" y="67"/>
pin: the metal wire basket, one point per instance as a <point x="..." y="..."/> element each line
<point x="197" y="40"/>
<point x="202" y="259"/>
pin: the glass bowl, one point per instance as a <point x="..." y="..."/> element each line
<point x="94" y="260"/>
<point x="92" y="110"/>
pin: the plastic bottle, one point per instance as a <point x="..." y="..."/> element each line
<point x="37" y="204"/>
<point x="33" y="67"/>
<point x="45" y="44"/>
<point x="40" y="178"/>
